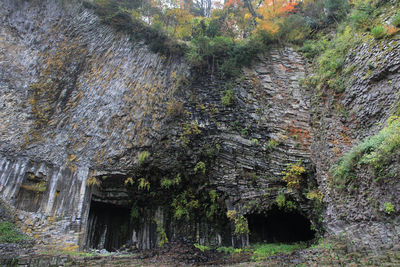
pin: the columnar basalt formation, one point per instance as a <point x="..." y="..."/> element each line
<point x="105" y="143"/>
<point x="341" y="121"/>
<point x="77" y="98"/>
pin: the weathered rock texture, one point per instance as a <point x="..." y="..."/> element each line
<point x="75" y="95"/>
<point x="80" y="102"/>
<point x="342" y="121"/>
<point x="81" y="106"/>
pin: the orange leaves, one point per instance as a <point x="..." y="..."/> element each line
<point x="391" y="30"/>
<point x="272" y="12"/>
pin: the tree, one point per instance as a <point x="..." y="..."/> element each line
<point x="272" y="12"/>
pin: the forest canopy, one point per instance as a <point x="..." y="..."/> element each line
<point x="219" y="35"/>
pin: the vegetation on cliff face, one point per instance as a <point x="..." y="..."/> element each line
<point x="375" y="153"/>
<point x="215" y="36"/>
<point x="366" y="20"/>
<point x="224" y="38"/>
<point x="10" y="234"/>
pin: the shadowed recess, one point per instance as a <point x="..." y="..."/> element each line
<point x="279" y="226"/>
<point x="108" y="226"/>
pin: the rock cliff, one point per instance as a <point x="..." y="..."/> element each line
<point x="105" y="143"/>
<point x="341" y="121"/>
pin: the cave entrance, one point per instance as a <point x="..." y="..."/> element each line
<point x="109" y="226"/>
<point x="279" y="226"/>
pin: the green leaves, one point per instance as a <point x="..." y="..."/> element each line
<point x="375" y="151"/>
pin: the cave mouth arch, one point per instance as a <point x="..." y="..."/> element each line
<point x="279" y="226"/>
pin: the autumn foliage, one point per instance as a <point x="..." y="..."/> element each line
<point x="273" y="12"/>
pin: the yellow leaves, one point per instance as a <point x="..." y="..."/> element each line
<point x="315" y="195"/>
<point x="181" y="22"/>
<point x="293" y="175"/>
<point x="129" y="180"/>
<point x="247" y="16"/>
<point x="240" y="222"/>
<point x="93" y="181"/>
<point x="144" y="184"/>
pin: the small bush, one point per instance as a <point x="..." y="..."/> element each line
<point x="240" y="222"/>
<point x="162" y="235"/>
<point x="272" y="143"/>
<point x="143" y="156"/>
<point x="228" y="98"/>
<point x="396" y="20"/>
<point x="264" y="251"/>
<point x="360" y="19"/>
<point x="337" y="8"/>
<point x="293" y="175"/>
<point x="201" y="247"/>
<point x="315" y="195"/>
<point x="389" y="207"/>
<point x="392" y="30"/>
<point x="129" y="181"/>
<point x="229" y="250"/>
<point x="184" y="206"/>
<point x="167" y="183"/>
<point x="200" y="167"/>
<point x="283" y="203"/>
<point x="310" y="49"/>
<point x="144" y="184"/>
<point x="10" y="234"/>
<point x="280" y="201"/>
<point x="295" y="28"/>
<point x="378" y="32"/>
<point x="375" y="151"/>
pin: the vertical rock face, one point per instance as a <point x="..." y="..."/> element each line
<point x="75" y="96"/>
<point x="340" y="122"/>
<point x="59" y="60"/>
<point x="81" y="104"/>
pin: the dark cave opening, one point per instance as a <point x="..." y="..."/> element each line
<point x="279" y="226"/>
<point x="109" y="226"/>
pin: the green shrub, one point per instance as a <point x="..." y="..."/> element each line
<point x="389" y="207"/>
<point x="337" y="8"/>
<point x="360" y="19"/>
<point x="240" y="222"/>
<point x="201" y="247"/>
<point x="396" y="20"/>
<point x="272" y="143"/>
<point x="378" y="32"/>
<point x="228" y="98"/>
<point x="295" y="29"/>
<point x="162" y="235"/>
<point x="254" y="142"/>
<point x="229" y="250"/>
<point x="134" y="214"/>
<point x="293" y="175"/>
<point x="329" y="64"/>
<point x="10" y="234"/>
<point x="375" y="151"/>
<point x="184" y="205"/>
<point x="143" y="156"/>
<point x="144" y="184"/>
<point x="167" y="183"/>
<point x="310" y="49"/>
<point x="200" y="167"/>
<point x="280" y="201"/>
<point x="264" y="251"/>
